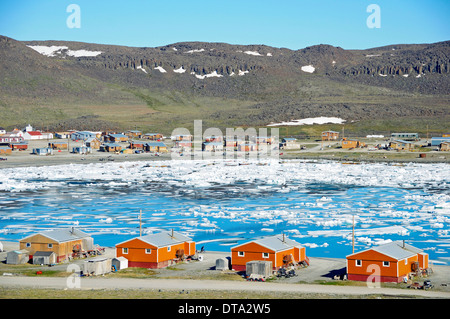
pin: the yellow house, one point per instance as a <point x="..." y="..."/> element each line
<point x="346" y="143"/>
<point x="63" y="242"/>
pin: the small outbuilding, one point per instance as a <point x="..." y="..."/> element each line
<point x="44" y="258"/>
<point x="222" y="263"/>
<point x="16" y="257"/>
<point x="260" y="268"/>
<point x="119" y="263"/>
<point x="97" y="266"/>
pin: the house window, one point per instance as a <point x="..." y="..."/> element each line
<point x="169" y="248"/>
<point x="358" y="262"/>
<point x="49" y="245"/>
<point x="124" y="250"/>
<point x="148" y="251"/>
<point x="241" y="254"/>
<point x="265" y="255"/>
<point x="385" y="263"/>
<point x="28" y="245"/>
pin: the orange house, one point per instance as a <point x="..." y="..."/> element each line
<point x="330" y="136"/>
<point x="390" y="262"/>
<point x="63" y="242"/>
<point x="278" y="249"/>
<point x="156" y="250"/>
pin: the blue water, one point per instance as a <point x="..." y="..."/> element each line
<point x="317" y="215"/>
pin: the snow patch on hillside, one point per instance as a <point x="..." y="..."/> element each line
<point x="311" y="121"/>
<point x="308" y="68"/>
<point x="54" y="50"/>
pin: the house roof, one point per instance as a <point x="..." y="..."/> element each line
<point x="395" y="250"/>
<point x="62" y="235"/>
<point x="402" y="141"/>
<point x="163" y="239"/>
<point x="118" y="135"/>
<point x="34" y="133"/>
<point x="289" y="139"/>
<point x="155" y="144"/>
<point x="112" y="145"/>
<point x="275" y="243"/>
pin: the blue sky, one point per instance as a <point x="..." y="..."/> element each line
<point x="292" y="24"/>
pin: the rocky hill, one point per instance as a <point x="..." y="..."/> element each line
<point x="56" y="82"/>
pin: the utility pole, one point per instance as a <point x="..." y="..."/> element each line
<point x="140" y="223"/>
<point x="353" y="235"/>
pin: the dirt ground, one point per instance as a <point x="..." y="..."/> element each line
<point x="320" y="270"/>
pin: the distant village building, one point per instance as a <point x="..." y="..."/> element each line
<point x="116" y="138"/>
<point x="93" y="143"/>
<point x="20" y="146"/>
<point x="330" y="136"/>
<point x="62" y="135"/>
<point x="82" y="135"/>
<point x="212" y="146"/>
<point x="33" y="135"/>
<point x="110" y="147"/>
<point x="5" y="150"/>
<point x="289" y="143"/>
<point x="10" y="138"/>
<point x="401" y="145"/>
<point x="247" y="147"/>
<point x="405" y="136"/>
<point x="58" y="145"/>
<point x="153" y="136"/>
<point x="133" y="134"/>
<point x="436" y="141"/>
<point x="158" y="147"/>
<point x="346" y="143"/>
<point x="43" y="151"/>
<point x="137" y="145"/>
<point x="444" y="147"/>
<point x="83" y="150"/>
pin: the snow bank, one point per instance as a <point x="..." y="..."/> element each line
<point x="212" y="74"/>
<point x="179" y="70"/>
<point x="160" y="69"/>
<point x="253" y="53"/>
<point x="141" y="68"/>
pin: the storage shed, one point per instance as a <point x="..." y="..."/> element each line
<point x="222" y="263"/>
<point x="44" y="258"/>
<point x="119" y="263"/>
<point x="259" y="267"/>
<point x="97" y="266"/>
<point x="16" y="257"/>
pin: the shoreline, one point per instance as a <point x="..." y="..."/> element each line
<point x="28" y="160"/>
